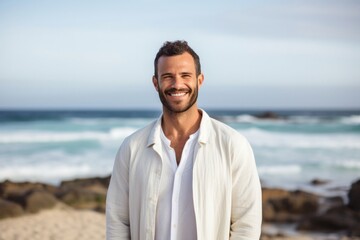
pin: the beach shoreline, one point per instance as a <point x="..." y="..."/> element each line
<point x="76" y="210"/>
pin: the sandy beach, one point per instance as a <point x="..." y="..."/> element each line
<point x="65" y="223"/>
<point x="61" y="222"/>
<point x="76" y="210"/>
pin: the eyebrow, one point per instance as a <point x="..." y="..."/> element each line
<point x="170" y="74"/>
<point x="190" y="73"/>
<point x="166" y="74"/>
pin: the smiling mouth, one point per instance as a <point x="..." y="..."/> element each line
<point x="180" y="94"/>
<point x="177" y="92"/>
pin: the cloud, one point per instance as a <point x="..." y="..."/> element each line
<point x="77" y="50"/>
<point x="327" y="20"/>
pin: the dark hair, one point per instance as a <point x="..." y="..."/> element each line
<point x="177" y="48"/>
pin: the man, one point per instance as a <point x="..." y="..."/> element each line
<point x="185" y="176"/>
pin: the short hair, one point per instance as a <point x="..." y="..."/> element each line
<point x="176" y="48"/>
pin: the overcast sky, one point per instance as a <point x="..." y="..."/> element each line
<point x="254" y="54"/>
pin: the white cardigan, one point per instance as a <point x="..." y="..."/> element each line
<point x="226" y="186"/>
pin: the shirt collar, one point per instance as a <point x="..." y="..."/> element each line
<point x="204" y="133"/>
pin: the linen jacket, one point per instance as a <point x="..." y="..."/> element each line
<point x="226" y="186"/>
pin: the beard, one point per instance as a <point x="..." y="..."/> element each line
<point x="178" y="107"/>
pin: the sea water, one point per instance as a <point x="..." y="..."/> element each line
<point x="290" y="151"/>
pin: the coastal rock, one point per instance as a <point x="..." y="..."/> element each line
<point x="354" y="196"/>
<point x="317" y="182"/>
<point x="288" y="206"/>
<point x="300" y="202"/>
<point x="33" y="200"/>
<point x="38" y="200"/>
<point x="85" y="182"/>
<point x="335" y="219"/>
<point x="9" y="209"/>
<point x="327" y="203"/>
<point x="268" y="115"/>
<point x="30" y="197"/>
<point x="268" y="196"/>
<point x="273" y="193"/>
<point x="338" y="217"/>
<point x="84" y="199"/>
<point x="87" y="193"/>
<point x="8" y="188"/>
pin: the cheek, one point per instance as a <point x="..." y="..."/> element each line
<point x="162" y="85"/>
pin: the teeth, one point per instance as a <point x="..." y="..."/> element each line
<point x="177" y="94"/>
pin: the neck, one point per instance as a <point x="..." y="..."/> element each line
<point x="181" y="125"/>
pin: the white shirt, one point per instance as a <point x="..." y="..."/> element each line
<point x="175" y="216"/>
<point x="226" y="187"/>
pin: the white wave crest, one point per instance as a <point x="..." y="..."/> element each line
<point x="245" y="118"/>
<point x="55" y="165"/>
<point x="348" y="164"/>
<point x="279" y="170"/>
<point x="263" y="138"/>
<point x="43" y="137"/>
<point x="351" y="120"/>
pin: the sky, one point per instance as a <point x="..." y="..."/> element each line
<point x="254" y="54"/>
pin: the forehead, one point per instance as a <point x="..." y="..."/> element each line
<point x="183" y="62"/>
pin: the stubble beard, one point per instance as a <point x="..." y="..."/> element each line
<point x="174" y="109"/>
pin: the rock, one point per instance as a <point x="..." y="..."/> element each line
<point x="38" y="200"/>
<point x="268" y="115"/>
<point x="317" y="182"/>
<point x="335" y="219"/>
<point x="85" y="182"/>
<point x="288" y="206"/>
<point x="9" y="209"/>
<point x="354" y="196"/>
<point x="30" y="197"/>
<point x="269" y="213"/>
<point x="18" y="188"/>
<point x="339" y="217"/>
<point x="34" y="200"/>
<point x="300" y="202"/>
<point x="84" y="198"/>
<point x="327" y="203"/>
<point x="273" y="193"/>
<point x="85" y="193"/>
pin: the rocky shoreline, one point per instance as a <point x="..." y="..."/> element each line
<point x="306" y="213"/>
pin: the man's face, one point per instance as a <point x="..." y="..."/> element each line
<point x="177" y="83"/>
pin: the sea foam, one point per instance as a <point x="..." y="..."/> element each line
<point x="264" y="138"/>
<point x="47" y="136"/>
<point x="352" y="120"/>
<point x="279" y="170"/>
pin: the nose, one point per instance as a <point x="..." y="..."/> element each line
<point x="177" y="82"/>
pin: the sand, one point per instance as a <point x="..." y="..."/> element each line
<point x="58" y="223"/>
<point x="65" y="223"/>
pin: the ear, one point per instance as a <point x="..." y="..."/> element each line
<point x="200" y="79"/>
<point x="155" y="82"/>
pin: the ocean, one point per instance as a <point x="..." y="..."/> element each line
<point x="290" y="151"/>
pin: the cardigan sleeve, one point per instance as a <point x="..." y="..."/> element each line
<point x="117" y="200"/>
<point x="246" y="208"/>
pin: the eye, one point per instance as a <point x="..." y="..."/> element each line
<point x="167" y="77"/>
